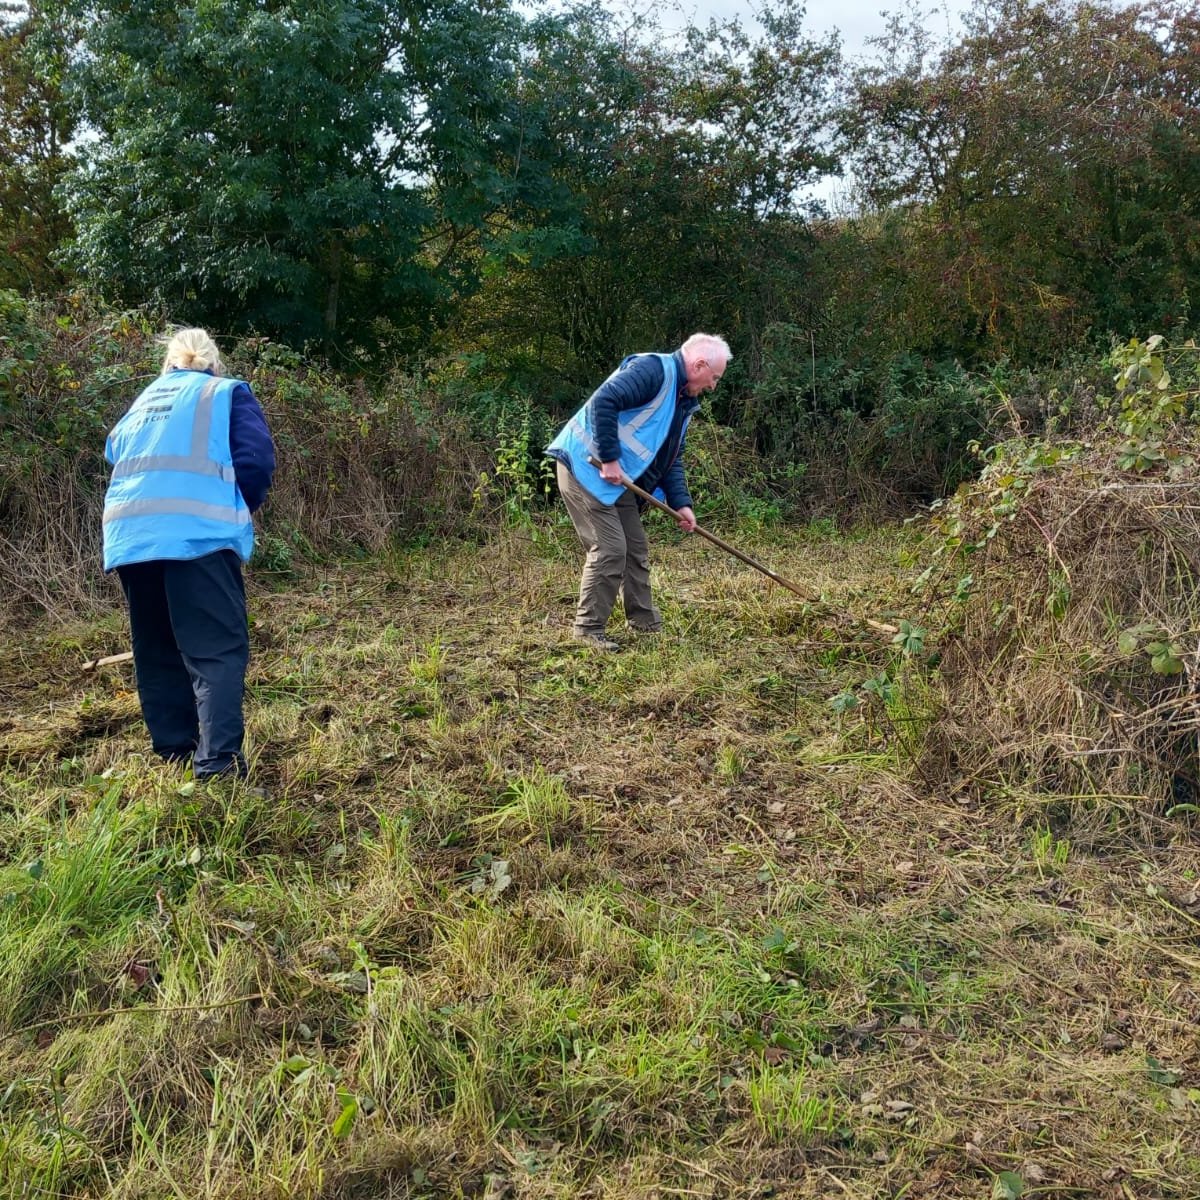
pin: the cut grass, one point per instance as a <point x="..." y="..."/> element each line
<point x="518" y="921"/>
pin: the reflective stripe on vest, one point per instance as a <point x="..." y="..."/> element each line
<point x="174" y="506"/>
<point x="192" y="464"/>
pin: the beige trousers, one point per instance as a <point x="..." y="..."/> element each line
<point x="618" y="558"/>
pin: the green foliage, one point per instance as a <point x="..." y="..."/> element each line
<point x="522" y="472"/>
<point x="1152" y="403"/>
<point x="901" y="417"/>
<point x="1149" y="638"/>
<point x="910" y="639"/>
<point x="499" y="414"/>
<point x="1039" y="176"/>
<point x="285" y="166"/>
<point x="36" y="128"/>
<point x="98" y="872"/>
<point x="730" y="482"/>
<point x="1049" y="851"/>
<point x="965" y="524"/>
<point x="358" y="467"/>
<point x="535" y="194"/>
<point x="62" y="371"/>
<point x="682" y="166"/>
<point x="1008" y="1185"/>
<point x="21" y="344"/>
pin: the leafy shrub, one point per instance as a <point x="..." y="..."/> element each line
<point x="67" y="371"/>
<point x="357" y="466"/>
<point x="1158" y="389"/>
<point x="882" y="434"/>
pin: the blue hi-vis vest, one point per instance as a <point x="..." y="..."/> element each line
<point x="173" y="492"/>
<point x="642" y="432"/>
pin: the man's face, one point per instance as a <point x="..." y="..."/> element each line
<point x="703" y="373"/>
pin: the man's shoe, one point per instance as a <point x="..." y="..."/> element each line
<point x="599" y="641"/>
<point x="645" y="630"/>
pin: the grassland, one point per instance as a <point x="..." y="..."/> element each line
<point x="519" y="921"/>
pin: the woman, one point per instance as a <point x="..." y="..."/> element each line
<point x="192" y="459"/>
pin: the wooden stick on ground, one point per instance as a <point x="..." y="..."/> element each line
<point x="107" y="662"/>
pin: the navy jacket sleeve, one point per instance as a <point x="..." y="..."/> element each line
<point x="251" y="447"/>
<point x="674" y="485"/>
<point x="635" y="383"/>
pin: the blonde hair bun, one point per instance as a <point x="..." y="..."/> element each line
<point x="191" y="350"/>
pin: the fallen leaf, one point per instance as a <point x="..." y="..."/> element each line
<point x="1031" y="1172"/>
<point x="137" y="974"/>
<point x="1008" y="1186"/>
<point x="1161" y="1074"/>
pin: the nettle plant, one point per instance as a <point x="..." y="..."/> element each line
<point x="1152" y="402"/>
<point x="890" y="702"/>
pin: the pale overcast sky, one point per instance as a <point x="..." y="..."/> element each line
<point x="856" y="20"/>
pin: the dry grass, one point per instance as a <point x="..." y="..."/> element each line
<point x="561" y="925"/>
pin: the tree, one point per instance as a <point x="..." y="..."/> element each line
<point x="682" y="163"/>
<point x="35" y="130"/>
<point x="1048" y="163"/>
<point x="303" y="169"/>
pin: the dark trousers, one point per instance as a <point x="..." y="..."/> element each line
<point x="191" y="645"/>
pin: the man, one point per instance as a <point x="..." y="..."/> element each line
<point x="192" y="459"/>
<point x="634" y="425"/>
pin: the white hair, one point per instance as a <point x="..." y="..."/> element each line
<point x="192" y="350"/>
<point x="706" y="343"/>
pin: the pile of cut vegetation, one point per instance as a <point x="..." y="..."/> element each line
<point x="1066" y="577"/>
